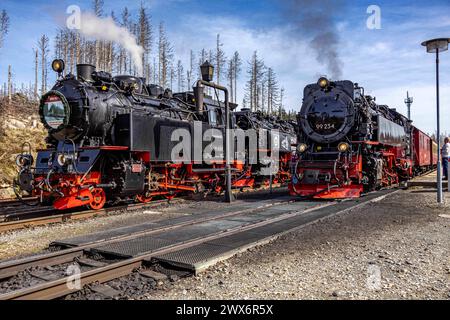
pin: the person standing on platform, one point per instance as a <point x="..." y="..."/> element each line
<point x="445" y="153"/>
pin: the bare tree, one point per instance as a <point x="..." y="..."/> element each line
<point x="123" y="56"/>
<point x="234" y="69"/>
<point x="145" y="37"/>
<point x="272" y="91"/>
<point x="263" y="93"/>
<point x="255" y="72"/>
<point x="211" y="59"/>
<point x="219" y="59"/>
<point x="165" y="56"/>
<point x="280" y="104"/>
<point x="43" y="45"/>
<point x="110" y="52"/>
<point x="172" y="76"/>
<point x="189" y="72"/>
<point x="10" y="88"/>
<point x="98" y="11"/>
<point x="237" y="63"/>
<point x="202" y="57"/>
<point x="180" y="76"/>
<point x="230" y="77"/>
<point x="4" y="26"/>
<point x="155" y="69"/>
<point x="36" y="73"/>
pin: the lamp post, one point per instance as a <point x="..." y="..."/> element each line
<point x="207" y="72"/>
<point x="436" y="46"/>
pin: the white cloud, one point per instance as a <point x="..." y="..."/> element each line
<point x="380" y="62"/>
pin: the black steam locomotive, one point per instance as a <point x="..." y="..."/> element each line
<point x="349" y="144"/>
<point x="112" y="138"/>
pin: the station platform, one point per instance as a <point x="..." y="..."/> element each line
<point x="427" y="181"/>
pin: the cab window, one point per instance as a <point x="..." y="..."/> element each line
<point x="212" y="114"/>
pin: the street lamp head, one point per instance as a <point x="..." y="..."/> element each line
<point x="207" y="71"/>
<point x="434" y="44"/>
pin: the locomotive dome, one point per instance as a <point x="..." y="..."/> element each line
<point x="327" y="113"/>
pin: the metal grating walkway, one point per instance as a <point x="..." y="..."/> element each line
<point x="154" y="225"/>
<point x="198" y="258"/>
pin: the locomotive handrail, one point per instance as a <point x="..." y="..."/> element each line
<point x="199" y="102"/>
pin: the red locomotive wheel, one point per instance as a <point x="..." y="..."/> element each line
<point x="98" y="199"/>
<point x="143" y="199"/>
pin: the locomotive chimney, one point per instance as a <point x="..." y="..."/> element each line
<point x="84" y="72"/>
<point x="198" y="94"/>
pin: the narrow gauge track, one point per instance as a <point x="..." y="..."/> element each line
<point x="20" y="211"/>
<point x="15" y="200"/>
<point x="282" y="221"/>
<point x="46" y="215"/>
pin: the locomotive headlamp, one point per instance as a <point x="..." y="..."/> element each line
<point x="207" y="71"/>
<point x="323" y="82"/>
<point x="24" y="160"/>
<point x="343" y="147"/>
<point x="64" y="159"/>
<point x="58" y="65"/>
<point x="61" y="159"/>
<point x="302" y="147"/>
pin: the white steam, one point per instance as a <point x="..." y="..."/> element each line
<point x="106" y="29"/>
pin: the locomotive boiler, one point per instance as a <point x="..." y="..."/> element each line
<point x="117" y="138"/>
<point x="349" y="144"/>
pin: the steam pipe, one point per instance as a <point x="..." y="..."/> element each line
<point x="200" y="83"/>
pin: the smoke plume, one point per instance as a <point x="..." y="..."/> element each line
<point x="107" y="30"/>
<point x="316" y="20"/>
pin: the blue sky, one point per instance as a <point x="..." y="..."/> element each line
<point x="387" y="62"/>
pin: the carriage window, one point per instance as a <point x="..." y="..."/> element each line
<point x="212" y="117"/>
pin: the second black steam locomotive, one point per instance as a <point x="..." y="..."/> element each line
<point x="112" y="138"/>
<point x="350" y="144"/>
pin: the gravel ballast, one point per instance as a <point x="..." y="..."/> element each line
<point x="396" y="248"/>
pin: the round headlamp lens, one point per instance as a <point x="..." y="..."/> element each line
<point x="323" y="82"/>
<point x="58" y="65"/>
<point x="343" y="147"/>
<point x="61" y="159"/>
<point x="302" y="147"/>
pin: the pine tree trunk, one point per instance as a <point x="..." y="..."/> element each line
<point x="36" y="71"/>
<point x="9" y="84"/>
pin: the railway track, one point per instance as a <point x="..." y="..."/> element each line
<point x="15" y="214"/>
<point x="126" y="250"/>
<point x="47" y="215"/>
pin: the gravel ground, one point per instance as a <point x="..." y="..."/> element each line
<point x="397" y="248"/>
